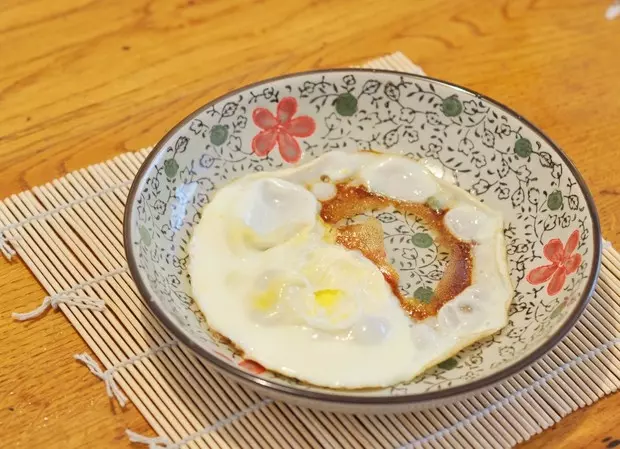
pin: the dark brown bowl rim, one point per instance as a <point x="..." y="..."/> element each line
<point x="413" y="399"/>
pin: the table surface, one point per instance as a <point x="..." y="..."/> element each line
<point x="84" y="80"/>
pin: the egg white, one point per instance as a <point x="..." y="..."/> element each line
<point x="265" y="276"/>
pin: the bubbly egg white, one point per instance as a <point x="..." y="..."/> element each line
<point x="265" y="275"/>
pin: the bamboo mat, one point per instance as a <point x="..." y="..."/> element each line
<point x="69" y="233"/>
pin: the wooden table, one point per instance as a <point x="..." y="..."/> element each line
<point x="84" y="80"/>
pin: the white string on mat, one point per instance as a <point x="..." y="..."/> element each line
<point x="107" y="376"/>
<point x="82" y="302"/>
<point x="9" y="252"/>
<point x="508" y="399"/>
<point x="165" y="443"/>
<point x="67" y="297"/>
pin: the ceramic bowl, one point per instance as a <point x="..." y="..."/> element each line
<point x="551" y="226"/>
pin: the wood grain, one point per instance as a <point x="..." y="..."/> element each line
<point x="84" y="80"/>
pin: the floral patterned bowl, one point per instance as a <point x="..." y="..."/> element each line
<point x="551" y="226"/>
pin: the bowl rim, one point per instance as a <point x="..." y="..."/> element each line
<point x="414" y="399"/>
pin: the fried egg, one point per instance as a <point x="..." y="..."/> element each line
<point x="267" y="273"/>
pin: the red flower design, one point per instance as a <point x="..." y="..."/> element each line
<point x="281" y="129"/>
<point x="252" y="366"/>
<point x="563" y="262"/>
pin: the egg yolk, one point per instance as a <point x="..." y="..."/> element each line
<point x="266" y="300"/>
<point x="328" y="298"/>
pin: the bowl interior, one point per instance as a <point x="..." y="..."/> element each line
<point x="551" y="229"/>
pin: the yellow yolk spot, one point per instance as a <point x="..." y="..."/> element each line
<point x="266" y="300"/>
<point x="327" y="298"/>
